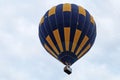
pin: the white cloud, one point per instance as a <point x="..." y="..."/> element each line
<point x="22" y="57"/>
<point x="86" y="70"/>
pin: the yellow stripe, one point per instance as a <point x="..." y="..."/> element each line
<point x="50" y="51"/>
<point x="52" y="11"/>
<point x="82" y="44"/>
<point x="76" y="38"/>
<point x="42" y="20"/>
<point x="49" y="40"/>
<point x="92" y="20"/>
<point x="82" y="11"/>
<point x="57" y="37"/>
<point x="84" y="51"/>
<point x="67" y="38"/>
<point x="66" y="7"/>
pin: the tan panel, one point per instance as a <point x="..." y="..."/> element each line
<point x="92" y="20"/>
<point x="57" y="37"/>
<point x="66" y="7"/>
<point x="50" y="51"/>
<point x="49" y="40"/>
<point x="84" y="51"/>
<point x="76" y="38"/>
<point x="52" y="11"/>
<point x="67" y="38"/>
<point x="42" y="20"/>
<point x="82" y="11"/>
<point x="82" y="44"/>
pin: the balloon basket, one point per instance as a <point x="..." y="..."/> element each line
<point x="67" y="69"/>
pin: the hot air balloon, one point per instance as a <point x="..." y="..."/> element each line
<point x="67" y="32"/>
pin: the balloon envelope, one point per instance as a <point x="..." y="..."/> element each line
<point x="67" y="32"/>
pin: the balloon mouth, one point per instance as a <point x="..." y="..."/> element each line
<point x="67" y="58"/>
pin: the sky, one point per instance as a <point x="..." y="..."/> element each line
<point x="22" y="57"/>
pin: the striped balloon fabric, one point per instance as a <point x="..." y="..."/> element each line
<point x="67" y="32"/>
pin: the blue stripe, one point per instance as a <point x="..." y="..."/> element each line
<point x="73" y="23"/>
<point x="93" y="39"/>
<point x="44" y="32"/>
<point x="47" y="25"/>
<point x="91" y="30"/>
<point x="66" y="19"/>
<point x="52" y="20"/>
<point x="84" y="29"/>
<point x="59" y="18"/>
<point x="41" y="37"/>
<point x="81" y="21"/>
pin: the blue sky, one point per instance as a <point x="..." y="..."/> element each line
<point x="22" y="56"/>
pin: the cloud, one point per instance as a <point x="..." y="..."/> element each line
<point x="90" y="71"/>
<point x="22" y="57"/>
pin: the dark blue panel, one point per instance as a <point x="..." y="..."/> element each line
<point x="81" y="21"/>
<point x="43" y="26"/>
<point x="74" y="16"/>
<point x="66" y="19"/>
<point x="91" y="29"/>
<point x="93" y="39"/>
<point x="44" y="32"/>
<point x="84" y="29"/>
<point x="52" y="20"/>
<point x="95" y="28"/>
<point x="73" y="23"/>
<point x="87" y="23"/>
<point x="41" y="37"/>
<point x="92" y="32"/>
<point x="47" y="23"/>
<point x="59" y="17"/>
